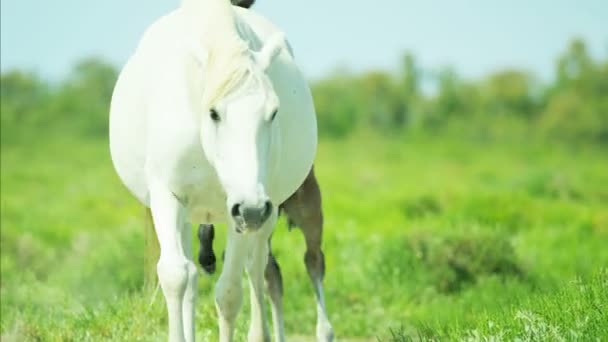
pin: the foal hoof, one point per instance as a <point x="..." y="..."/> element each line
<point x="207" y="262"/>
<point x="206" y="256"/>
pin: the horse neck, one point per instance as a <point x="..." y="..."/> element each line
<point x="214" y="17"/>
<point x="214" y="22"/>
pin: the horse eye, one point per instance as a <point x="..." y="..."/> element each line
<point x="274" y="114"/>
<point x="214" y="115"/>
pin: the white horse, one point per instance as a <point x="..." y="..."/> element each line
<point x="211" y="121"/>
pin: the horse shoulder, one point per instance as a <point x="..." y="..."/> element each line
<point x="152" y="125"/>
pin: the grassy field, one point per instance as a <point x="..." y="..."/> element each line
<point x="431" y="240"/>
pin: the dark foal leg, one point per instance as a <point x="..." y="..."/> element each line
<point x="303" y="209"/>
<point x="206" y="256"/>
<point x="243" y="3"/>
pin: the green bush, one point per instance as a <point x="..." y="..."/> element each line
<point x="448" y="262"/>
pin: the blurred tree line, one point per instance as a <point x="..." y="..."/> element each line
<point x="79" y="106"/>
<point x="509" y="103"/>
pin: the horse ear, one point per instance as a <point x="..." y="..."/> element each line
<point x="271" y="49"/>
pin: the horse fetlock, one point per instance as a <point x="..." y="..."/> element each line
<point x="258" y="329"/>
<point x="255" y="335"/>
<point x="325" y="333"/>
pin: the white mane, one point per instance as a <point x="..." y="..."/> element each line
<point x="228" y="61"/>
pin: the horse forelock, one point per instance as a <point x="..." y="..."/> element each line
<point x="225" y="69"/>
<point x="228" y="61"/>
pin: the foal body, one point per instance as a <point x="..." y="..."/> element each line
<point x="211" y="121"/>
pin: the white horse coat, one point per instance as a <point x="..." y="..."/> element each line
<point x="188" y="166"/>
<point x="152" y="126"/>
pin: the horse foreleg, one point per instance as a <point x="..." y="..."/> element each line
<point x="256" y="264"/>
<point x="228" y="290"/>
<point x="174" y="268"/>
<point x="189" y="299"/>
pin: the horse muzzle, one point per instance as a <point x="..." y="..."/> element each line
<point x="250" y="218"/>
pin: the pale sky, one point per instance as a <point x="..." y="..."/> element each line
<point x="474" y="36"/>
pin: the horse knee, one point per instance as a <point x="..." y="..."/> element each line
<point x="228" y="298"/>
<point x="191" y="270"/>
<point x="325" y="332"/>
<point x="173" y="275"/>
<point x="192" y="280"/>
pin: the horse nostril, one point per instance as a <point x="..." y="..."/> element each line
<point x="267" y="209"/>
<point x="236" y="210"/>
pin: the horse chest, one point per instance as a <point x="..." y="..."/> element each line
<point x="207" y="205"/>
<point x="199" y="189"/>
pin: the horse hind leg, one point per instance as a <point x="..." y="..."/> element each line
<point x="256" y="266"/>
<point x="304" y="209"/>
<point x="176" y="273"/>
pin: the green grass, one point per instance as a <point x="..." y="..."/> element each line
<point x="424" y="239"/>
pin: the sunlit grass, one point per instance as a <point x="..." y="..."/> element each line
<point x="428" y="238"/>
